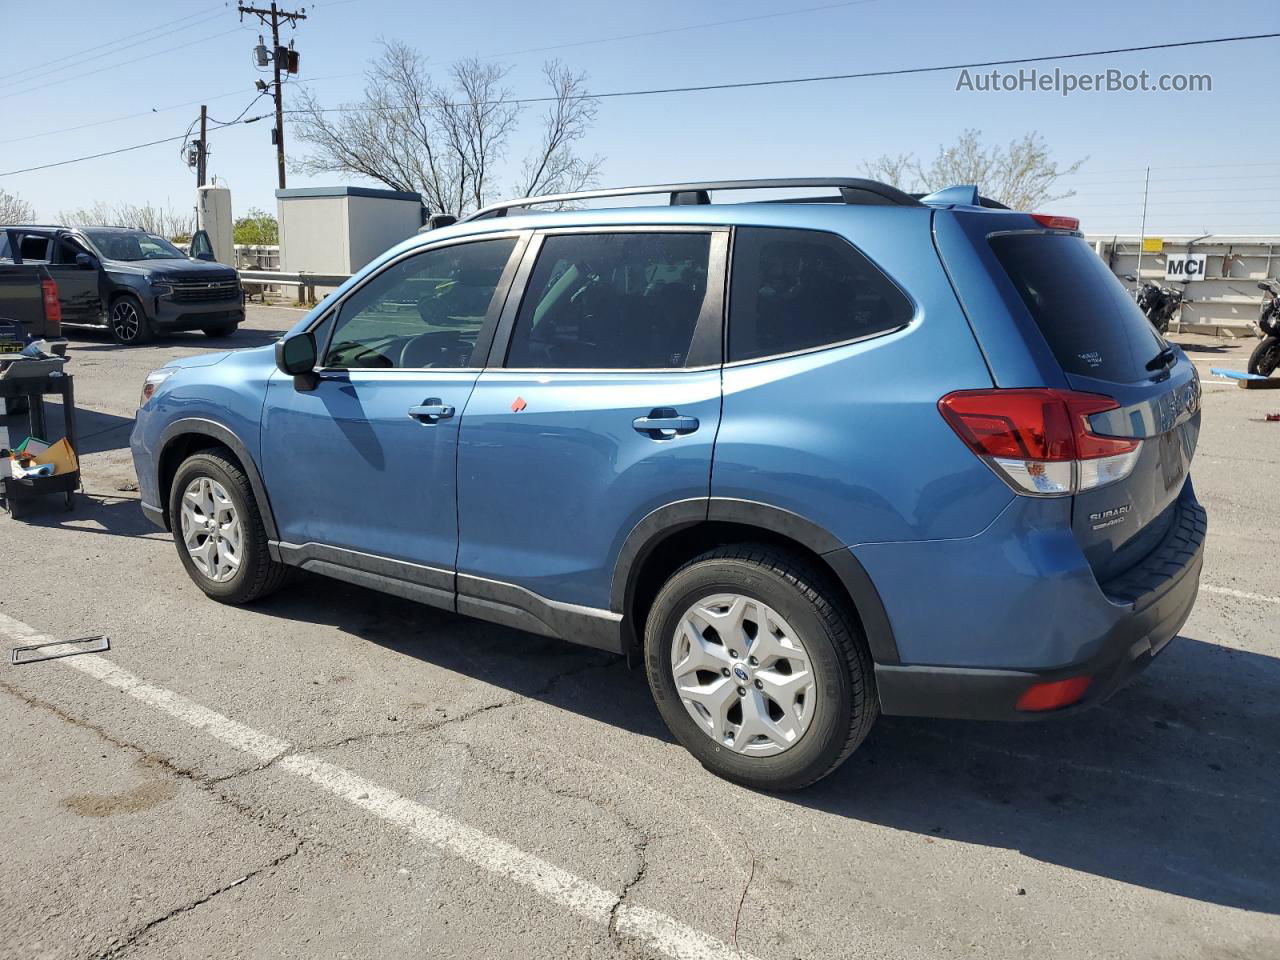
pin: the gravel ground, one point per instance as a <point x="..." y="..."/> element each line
<point x="338" y="773"/>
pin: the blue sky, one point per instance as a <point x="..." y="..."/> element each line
<point x="1215" y="156"/>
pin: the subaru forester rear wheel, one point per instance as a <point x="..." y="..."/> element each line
<point x="758" y="669"/>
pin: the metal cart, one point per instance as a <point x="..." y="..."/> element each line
<point x="37" y="383"/>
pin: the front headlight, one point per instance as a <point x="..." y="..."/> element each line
<point x="154" y="379"/>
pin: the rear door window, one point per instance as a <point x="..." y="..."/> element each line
<point x="797" y="290"/>
<point x="610" y="301"/>
<point x="34" y="247"/>
<point x="1086" y="316"/>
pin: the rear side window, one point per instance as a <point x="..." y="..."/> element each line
<point x="34" y="247"/>
<point x="612" y="301"/>
<point x="1087" y="317"/>
<point x="799" y="289"/>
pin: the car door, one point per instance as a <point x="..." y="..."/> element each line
<point x="79" y="280"/>
<point x="600" y="404"/>
<point x="361" y="470"/>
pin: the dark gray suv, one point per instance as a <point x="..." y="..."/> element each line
<point x="130" y="281"/>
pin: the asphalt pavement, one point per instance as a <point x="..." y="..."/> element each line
<point x="339" y="773"/>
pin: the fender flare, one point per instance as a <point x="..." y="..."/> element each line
<point x="225" y="436"/>
<point x="661" y="523"/>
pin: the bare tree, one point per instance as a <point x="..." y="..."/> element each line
<point x="448" y="141"/>
<point x="165" y="221"/>
<point x="1021" y="175"/>
<point x="13" y="209"/>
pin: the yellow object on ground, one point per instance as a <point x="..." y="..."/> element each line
<point x="61" y="456"/>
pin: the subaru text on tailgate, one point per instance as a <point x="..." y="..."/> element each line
<point x="818" y="460"/>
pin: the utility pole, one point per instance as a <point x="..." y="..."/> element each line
<point x="202" y="147"/>
<point x="273" y="17"/>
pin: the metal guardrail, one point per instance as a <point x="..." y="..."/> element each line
<point x="305" y="282"/>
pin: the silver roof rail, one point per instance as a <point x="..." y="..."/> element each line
<point x="854" y="190"/>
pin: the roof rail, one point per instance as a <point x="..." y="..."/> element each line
<point x="853" y="190"/>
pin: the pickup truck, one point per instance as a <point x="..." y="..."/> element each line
<point x="29" y="305"/>
<point x="29" y="308"/>
<point x="130" y="281"/>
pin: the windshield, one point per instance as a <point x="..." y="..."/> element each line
<point x="133" y="245"/>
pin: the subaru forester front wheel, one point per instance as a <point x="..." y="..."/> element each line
<point x="219" y="532"/>
<point x="758" y="669"/>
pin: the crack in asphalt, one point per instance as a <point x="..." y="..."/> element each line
<point x="642" y="848"/>
<point x="431" y="726"/>
<point x="134" y="936"/>
<point x="201" y="781"/>
<point x="737" y="916"/>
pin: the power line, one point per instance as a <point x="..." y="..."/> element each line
<point x="136" y="146"/>
<point x="109" y="43"/>
<point x="114" y="50"/>
<point x="903" y="71"/>
<point x="692" y="26"/>
<point x="156" y="110"/>
<point x="825" y="78"/>
<point x="115" y="66"/>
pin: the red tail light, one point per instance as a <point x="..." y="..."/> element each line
<point x="1055" y="222"/>
<point x="1038" y="439"/>
<point x="1054" y="695"/>
<point x="52" y="307"/>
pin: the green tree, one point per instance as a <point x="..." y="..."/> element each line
<point x="256" y="227"/>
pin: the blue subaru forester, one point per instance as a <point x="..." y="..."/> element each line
<point x="819" y="459"/>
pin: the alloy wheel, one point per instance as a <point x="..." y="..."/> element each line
<point x="212" y="530"/>
<point x="125" y="322"/>
<point x="743" y="675"/>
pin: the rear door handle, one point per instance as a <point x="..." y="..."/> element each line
<point x="665" y="423"/>
<point x="431" y="410"/>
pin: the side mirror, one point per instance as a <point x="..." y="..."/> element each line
<point x="296" y="356"/>
<point x="85" y="262"/>
<point x="205" y="255"/>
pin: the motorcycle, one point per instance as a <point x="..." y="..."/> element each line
<point x="1266" y="355"/>
<point x="1160" y="304"/>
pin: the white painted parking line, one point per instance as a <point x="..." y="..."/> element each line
<point x="1241" y="594"/>
<point x="576" y="894"/>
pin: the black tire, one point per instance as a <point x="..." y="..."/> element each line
<point x="847" y="705"/>
<point x="258" y="575"/>
<point x="1265" y="358"/>
<point x="220" y="330"/>
<point x="127" y="321"/>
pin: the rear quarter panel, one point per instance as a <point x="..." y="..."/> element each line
<point x="850" y="437"/>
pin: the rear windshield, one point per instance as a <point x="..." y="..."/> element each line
<point x="1088" y="318"/>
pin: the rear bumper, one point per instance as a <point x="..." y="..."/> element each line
<point x="1146" y="608"/>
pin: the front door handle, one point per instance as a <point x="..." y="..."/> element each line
<point x="664" y="423"/>
<point x="431" y="410"/>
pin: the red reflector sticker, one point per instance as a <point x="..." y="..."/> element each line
<point x="518" y="404"/>
<point x="1055" y="694"/>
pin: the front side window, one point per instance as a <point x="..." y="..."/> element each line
<point x="800" y="289"/>
<point x="612" y="301"/>
<point x="423" y="311"/>
<point x="133" y="245"/>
